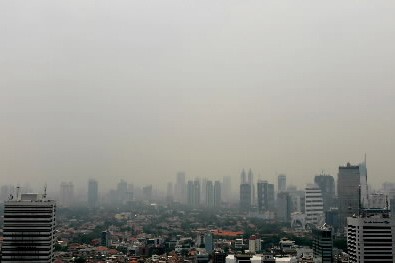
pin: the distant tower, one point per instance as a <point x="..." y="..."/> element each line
<point x="193" y="193"/>
<point x="217" y="194"/>
<point x="29" y="229"/>
<point x="245" y="197"/>
<point x="243" y="177"/>
<point x="209" y="194"/>
<point x="282" y="183"/>
<point x="265" y="196"/>
<point x="93" y="193"/>
<point x="252" y="185"/>
<point x="66" y="194"/>
<point x="327" y="186"/>
<point x="350" y="179"/>
<point x="180" y="188"/>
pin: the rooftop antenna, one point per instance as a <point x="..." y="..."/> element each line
<point x="18" y="188"/>
<point x="45" y="191"/>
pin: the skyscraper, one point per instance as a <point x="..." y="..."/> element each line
<point x="66" y="197"/>
<point x="327" y="185"/>
<point x="193" y="193"/>
<point x="209" y="194"/>
<point x="180" y="188"/>
<point x="93" y="194"/>
<point x="245" y="197"/>
<point x="352" y="179"/>
<point x="29" y="229"/>
<point x="217" y="194"/>
<point x="243" y="177"/>
<point x="265" y="196"/>
<point x="282" y="183"/>
<point x="284" y="207"/>
<point x="250" y="181"/>
<point x="314" y="207"/>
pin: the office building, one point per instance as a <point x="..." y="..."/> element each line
<point x="209" y="194"/>
<point x="29" y="229"/>
<point x="105" y="239"/>
<point x="282" y="183"/>
<point x="284" y="207"/>
<point x="371" y="236"/>
<point x="66" y="197"/>
<point x="193" y="193"/>
<point x="93" y="194"/>
<point x="323" y="243"/>
<point x="147" y="193"/>
<point x="122" y="192"/>
<point x="180" y="188"/>
<point x="265" y="196"/>
<point x="245" y="197"/>
<point x="350" y="177"/>
<point x="217" y="194"/>
<point x="327" y="186"/>
<point x="314" y="208"/>
<point x="250" y="181"/>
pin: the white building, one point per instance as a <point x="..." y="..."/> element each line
<point x="29" y="229"/>
<point x="371" y="236"/>
<point x="314" y="205"/>
<point x="254" y="244"/>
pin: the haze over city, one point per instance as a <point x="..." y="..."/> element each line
<point x="139" y="90"/>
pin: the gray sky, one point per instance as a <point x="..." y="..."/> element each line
<point x="142" y="89"/>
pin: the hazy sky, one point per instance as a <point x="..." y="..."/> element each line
<point x="142" y="89"/>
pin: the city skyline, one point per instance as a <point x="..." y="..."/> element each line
<point x="143" y="89"/>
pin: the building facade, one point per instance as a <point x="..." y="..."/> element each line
<point x="265" y="196"/>
<point x="351" y="178"/>
<point x="314" y="208"/>
<point x="29" y="229"/>
<point x="93" y="194"/>
<point x="371" y="237"/>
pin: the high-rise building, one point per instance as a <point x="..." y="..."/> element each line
<point x="371" y="236"/>
<point x="147" y="193"/>
<point x="265" y="196"/>
<point x="282" y="183"/>
<point x="66" y="197"/>
<point x="243" y="177"/>
<point x="180" y="188"/>
<point x="314" y="207"/>
<point x="323" y="244"/>
<point x="193" y="193"/>
<point x="327" y="186"/>
<point x="250" y="181"/>
<point x="226" y="189"/>
<point x="203" y="189"/>
<point x="245" y="197"/>
<point x="352" y="179"/>
<point x="122" y="191"/>
<point x="209" y="194"/>
<point x="93" y="194"/>
<point x="284" y="207"/>
<point x="29" y="229"/>
<point x="217" y="194"/>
